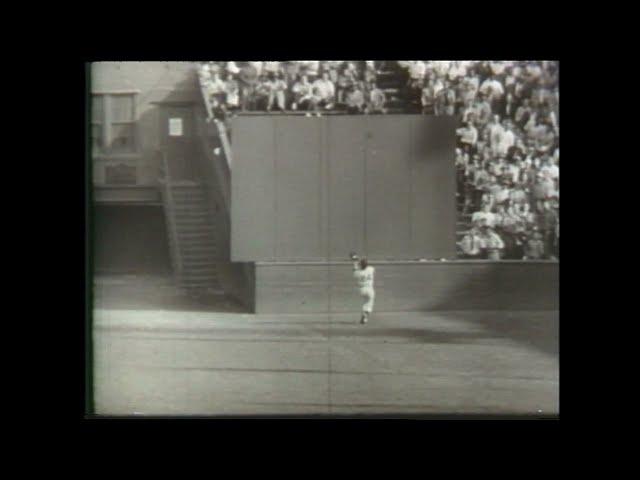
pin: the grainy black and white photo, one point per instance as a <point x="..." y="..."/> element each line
<point x="324" y="238"/>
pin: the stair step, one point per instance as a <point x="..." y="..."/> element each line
<point x="199" y="274"/>
<point x="189" y="249"/>
<point x="181" y="203"/>
<point x="185" y="184"/>
<point x="193" y="222"/>
<point x="199" y="256"/>
<point x="200" y="240"/>
<point x="209" y="233"/>
<point x="189" y="229"/>
<point x="209" y="279"/>
<point x="190" y="276"/>
<point x="201" y="265"/>
<point x="193" y="248"/>
<point x="207" y="249"/>
<point x="187" y="214"/>
<point x="199" y="284"/>
<point x="188" y="199"/>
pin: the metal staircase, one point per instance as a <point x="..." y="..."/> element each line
<point x="191" y="226"/>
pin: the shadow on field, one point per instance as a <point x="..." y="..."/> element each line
<point x="156" y="292"/>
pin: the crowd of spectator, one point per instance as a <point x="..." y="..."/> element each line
<point x="310" y="86"/>
<point x="508" y="153"/>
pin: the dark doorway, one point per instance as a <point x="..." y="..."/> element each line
<point x="130" y="239"/>
<point x="177" y="138"/>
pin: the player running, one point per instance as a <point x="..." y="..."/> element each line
<point x="364" y="273"/>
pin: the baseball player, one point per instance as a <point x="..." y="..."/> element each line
<point x="364" y="274"/>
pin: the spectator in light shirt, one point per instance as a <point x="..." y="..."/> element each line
<point x="370" y="72"/>
<point x="445" y="100"/>
<point x="441" y="67"/>
<point x="232" y="91"/>
<point x="417" y="70"/>
<point x="542" y="190"/>
<point x="323" y="92"/>
<point x="428" y="98"/>
<point x="456" y="71"/>
<point x="549" y="169"/>
<point x="496" y="132"/>
<point x="204" y="73"/>
<point x="468" y="135"/>
<point x="494" y="245"/>
<point x="232" y="68"/>
<point x="483" y="111"/>
<point x="438" y="85"/>
<point x="376" y="100"/>
<point x="271" y="68"/>
<point x="311" y="69"/>
<point x="501" y="194"/>
<point x="492" y="88"/>
<point x="277" y="91"/>
<point x="518" y="195"/>
<point x="494" y="92"/>
<point x="472" y="244"/>
<point x="302" y="94"/>
<point x="248" y="80"/>
<point x="484" y="217"/>
<point x="497" y="68"/>
<point x="258" y="67"/>
<point x="216" y="89"/>
<point x="506" y="140"/>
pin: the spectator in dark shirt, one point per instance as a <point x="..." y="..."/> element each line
<point x="355" y="99"/>
<point x="346" y="78"/>
<point x="262" y="93"/>
<point x="549" y="220"/>
<point x="534" y="247"/>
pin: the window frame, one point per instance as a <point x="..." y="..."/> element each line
<point x="106" y="124"/>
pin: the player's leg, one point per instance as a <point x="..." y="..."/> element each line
<point x="367" y="307"/>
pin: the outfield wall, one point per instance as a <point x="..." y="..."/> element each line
<point x="314" y="189"/>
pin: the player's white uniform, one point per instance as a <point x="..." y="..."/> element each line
<point x="365" y="282"/>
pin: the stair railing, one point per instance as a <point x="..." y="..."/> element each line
<point x="169" y="203"/>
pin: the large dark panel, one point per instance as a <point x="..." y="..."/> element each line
<point x="129" y="239"/>
<point x="345" y="157"/>
<point x="316" y="188"/>
<point x="253" y="233"/>
<point x="298" y="179"/>
<point x="432" y="185"/>
<point x="387" y="187"/>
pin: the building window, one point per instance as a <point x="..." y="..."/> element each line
<point x="113" y="123"/>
